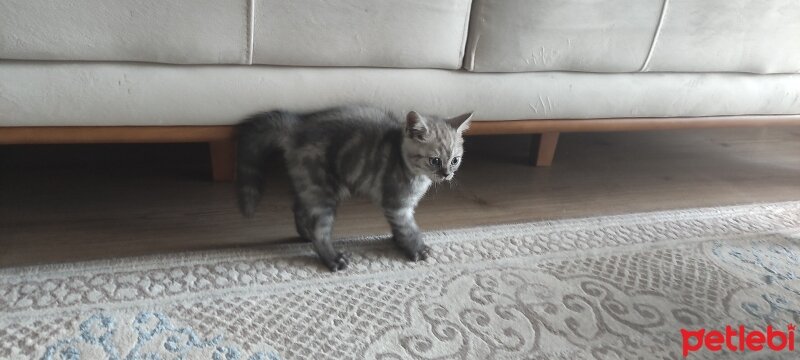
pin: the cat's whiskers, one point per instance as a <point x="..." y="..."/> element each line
<point x="435" y="186"/>
<point x="452" y="183"/>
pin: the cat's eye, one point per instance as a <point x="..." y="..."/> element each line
<point x="435" y="161"/>
<point x="455" y="160"/>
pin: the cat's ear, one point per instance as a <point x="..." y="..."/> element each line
<point x="460" y="123"/>
<point x="416" y="126"/>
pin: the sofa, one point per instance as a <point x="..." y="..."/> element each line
<point x="82" y="71"/>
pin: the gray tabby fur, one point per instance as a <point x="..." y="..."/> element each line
<point x="336" y="153"/>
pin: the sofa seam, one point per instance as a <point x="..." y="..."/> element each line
<point x="656" y="35"/>
<point x="250" y="36"/>
<point x="465" y="35"/>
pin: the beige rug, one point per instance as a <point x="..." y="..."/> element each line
<point x="603" y="288"/>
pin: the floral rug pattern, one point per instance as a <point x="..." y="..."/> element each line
<point x="616" y="287"/>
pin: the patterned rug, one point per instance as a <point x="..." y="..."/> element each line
<point x="617" y="287"/>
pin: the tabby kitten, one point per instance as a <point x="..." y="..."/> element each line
<point x="345" y="151"/>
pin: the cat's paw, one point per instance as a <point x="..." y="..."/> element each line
<point x="338" y="263"/>
<point x="420" y="253"/>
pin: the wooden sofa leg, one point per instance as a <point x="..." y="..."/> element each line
<point x="223" y="158"/>
<point x="543" y="149"/>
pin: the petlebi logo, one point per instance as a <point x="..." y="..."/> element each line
<point x="739" y="339"/>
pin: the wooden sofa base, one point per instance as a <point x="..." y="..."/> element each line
<point x="222" y="146"/>
<point x="219" y="138"/>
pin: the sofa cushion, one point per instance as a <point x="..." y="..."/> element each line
<point x="386" y="33"/>
<point x="570" y="35"/>
<point x="729" y="35"/>
<point x="169" y="31"/>
<point x="64" y="94"/>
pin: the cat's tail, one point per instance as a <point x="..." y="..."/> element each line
<point x="256" y="137"/>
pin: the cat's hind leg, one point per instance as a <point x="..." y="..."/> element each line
<point x="302" y="222"/>
<point x="316" y="224"/>
<point x="315" y="202"/>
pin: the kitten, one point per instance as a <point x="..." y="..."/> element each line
<point x="364" y="151"/>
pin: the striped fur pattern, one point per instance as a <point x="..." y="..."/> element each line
<point x="363" y="151"/>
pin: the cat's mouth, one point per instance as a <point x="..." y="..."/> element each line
<point x="440" y="178"/>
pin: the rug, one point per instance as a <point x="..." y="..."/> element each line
<point x="618" y="287"/>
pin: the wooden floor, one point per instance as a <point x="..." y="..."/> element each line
<point x="77" y="202"/>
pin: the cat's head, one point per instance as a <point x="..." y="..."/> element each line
<point x="433" y="146"/>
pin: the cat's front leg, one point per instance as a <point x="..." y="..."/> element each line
<point x="407" y="234"/>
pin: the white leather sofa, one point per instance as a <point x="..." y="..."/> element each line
<point x="185" y="70"/>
